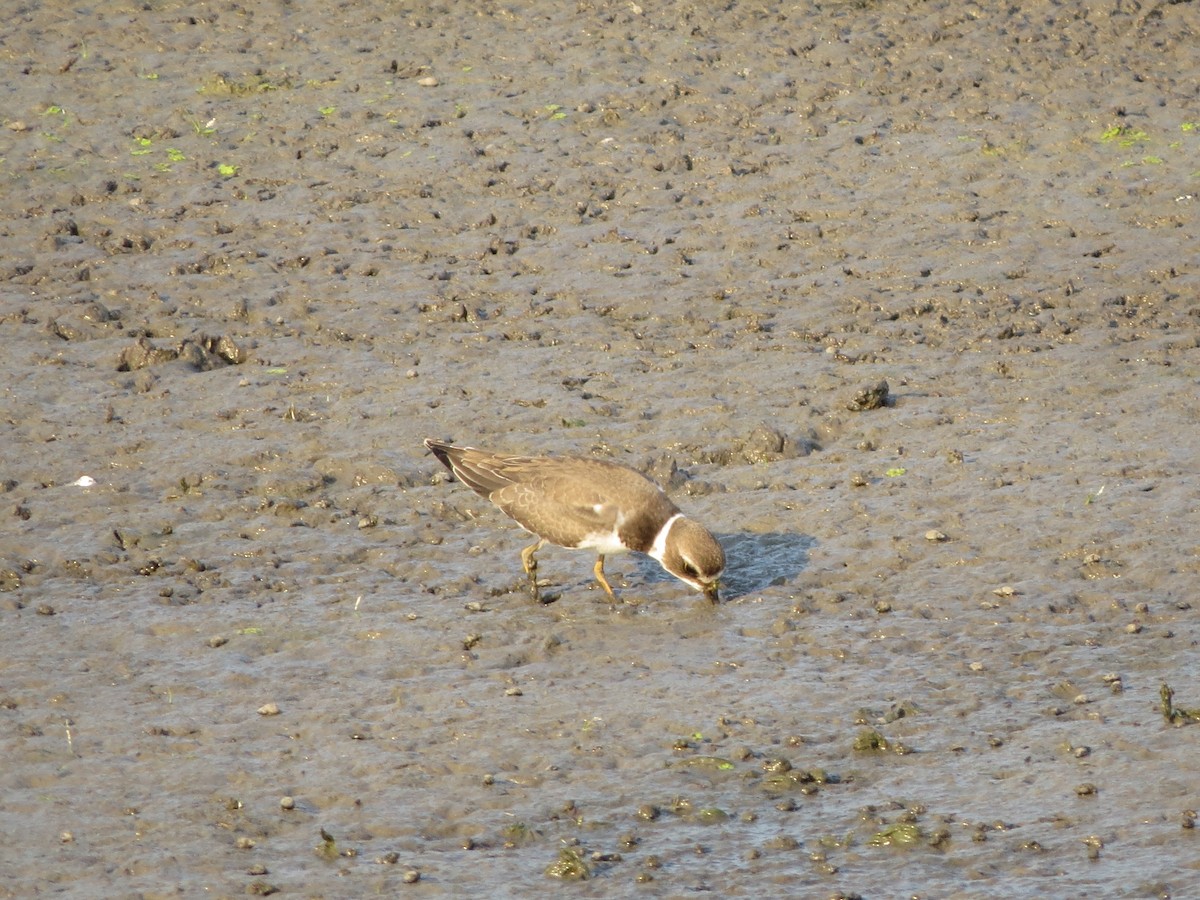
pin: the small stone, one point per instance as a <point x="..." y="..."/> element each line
<point x="513" y="692"/>
<point x="412" y="876"/>
<point x="218" y="640"/>
<point x="45" y="609"/>
<point x="1087" y="789"/>
<point x="1133" y="628"/>
<point x="1005" y="591"/>
<point x="287" y="802"/>
<point x="934" y="535"/>
<point x="269" y="709"/>
<point x="975" y="666"/>
<point x="66" y="837"/>
<point x="427" y="81"/>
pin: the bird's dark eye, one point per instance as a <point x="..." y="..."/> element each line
<point x="690" y="570"/>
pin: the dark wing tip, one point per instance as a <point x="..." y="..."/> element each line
<point x="442" y="451"/>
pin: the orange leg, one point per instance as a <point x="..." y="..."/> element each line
<point x="599" y="570"/>
<point x="530" y="565"/>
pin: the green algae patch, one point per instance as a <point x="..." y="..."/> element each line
<point x="712" y="763"/>
<point x="1172" y="714"/>
<point x="900" y="834"/>
<point x="570" y="866"/>
<point x="806" y="780"/>
<point x="871" y="741"/>
<point x="519" y="834"/>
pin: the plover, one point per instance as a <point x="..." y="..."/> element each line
<point x="585" y="503"/>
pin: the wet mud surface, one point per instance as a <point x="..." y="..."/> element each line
<point x="252" y="255"/>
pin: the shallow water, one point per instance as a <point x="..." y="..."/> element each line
<point x="681" y="238"/>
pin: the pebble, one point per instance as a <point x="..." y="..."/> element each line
<point x="269" y="709"/>
<point x="934" y="535"/>
<point x="287" y="802"/>
<point x="427" y="81"/>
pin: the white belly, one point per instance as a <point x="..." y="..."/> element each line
<point x="604" y="542"/>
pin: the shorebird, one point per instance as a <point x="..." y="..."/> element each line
<point x="583" y="503"/>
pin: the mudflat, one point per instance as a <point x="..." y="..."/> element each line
<point x="900" y="300"/>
